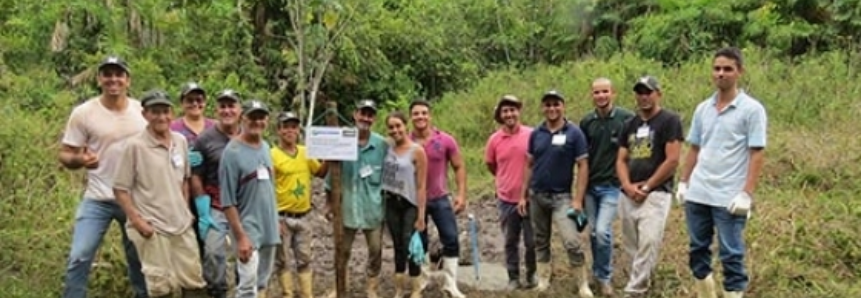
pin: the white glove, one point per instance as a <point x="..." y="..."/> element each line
<point x="680" y="193"/>
<point x="740" y="204"/>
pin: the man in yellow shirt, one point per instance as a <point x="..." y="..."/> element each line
<point x="294" y="172"/>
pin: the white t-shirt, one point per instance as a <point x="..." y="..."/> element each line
<point x="104" y="132"/>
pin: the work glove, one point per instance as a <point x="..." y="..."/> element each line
<point x="204" y="219"/>
<point x="681" y="189"/>
<point x="579" y="218"/>
<point x="417" y="250"/>
<point x="740" y="205"/>
<point x="194" y="158"/>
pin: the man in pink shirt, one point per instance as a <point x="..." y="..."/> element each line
<point x="442" y="150"/>
<point x="505" y="156"/>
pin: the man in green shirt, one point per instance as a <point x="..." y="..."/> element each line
<point x="361" y="194"/>
<point x="601" y="127"/>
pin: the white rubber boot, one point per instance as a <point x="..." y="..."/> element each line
<point x="584" y="291"/>
<point x="450" y="275"/>
<point x="706" y="287"/>
<point x="737" y="294"/>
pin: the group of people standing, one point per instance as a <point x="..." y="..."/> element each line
<point x="185" y="190"/>
<point x="625" y="163"/>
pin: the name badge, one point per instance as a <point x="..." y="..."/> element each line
<point x="262" y="173"/>
<point x="558" y="139"/>
<point x="366" y="171"/>
<point x="176" y="159"/>
<point x="643" y="132"/>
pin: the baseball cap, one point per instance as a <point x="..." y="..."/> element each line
<point x="190" y="87"/>
<point x="287" y="116"/>
<point x="648" y="82"/>
<point x="367" y="103"/>
<point x="254" y="105"/>
<point x="228" y="94"/>
<point x="155" y="97"/>
<point x="552" y="94"/>
<point x="114" y="61"/>
<point x="505" y="100"/>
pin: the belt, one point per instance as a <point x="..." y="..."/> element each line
<point x="293" y="215"/>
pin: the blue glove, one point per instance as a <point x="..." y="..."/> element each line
<point x="194" y="158"/>
<point x="204" y="219"/>
<point x="579" y="218"/>
<point x="417" y="250"/>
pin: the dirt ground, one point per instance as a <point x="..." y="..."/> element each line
<point x="490" y="247"/>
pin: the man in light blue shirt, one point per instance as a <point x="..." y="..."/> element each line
<point x="361" y="195"/>
<point x="727" y="138"/>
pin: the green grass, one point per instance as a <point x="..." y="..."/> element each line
<point x="803" y="240"/>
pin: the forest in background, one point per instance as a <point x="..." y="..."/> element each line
<point x="802" y="59"/>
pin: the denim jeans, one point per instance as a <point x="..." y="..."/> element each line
<point x="513" y="225"/>
<point x="601" y="209"/>
<point x="215" y="255"/>
<point x="702" y="221"/>
<point x="440" y="210"/>
<point x="401" y="217"/>
<point x="92" y="220"/>
<point x="548" y="210"/>
<point x="254" y="274"/>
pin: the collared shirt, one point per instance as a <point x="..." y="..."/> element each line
<point x="724" y="139"/>
<point x="154" y="174"/>
<point x="440" y="148"/>
<point x="602" y="134"/>
<point x="293" y="176"/>
<point x="507" y="152"/>
<point x="361" y="186"/>
<point x="554" y="155"/>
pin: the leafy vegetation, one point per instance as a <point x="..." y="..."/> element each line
<point x="802" y="63"/>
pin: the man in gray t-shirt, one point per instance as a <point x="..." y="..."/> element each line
<point x="248" y="199"/>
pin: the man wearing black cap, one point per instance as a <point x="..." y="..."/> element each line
<point x="361" y="195"/>
<point x="505" y="157"/>
<point x="212" y="226"/>
<point x="151" y="186"/>
<point x="602" y="127"/>
<point x="556" y="148"/>
<point x="294" y="172"/>
<point x="248" y="198"/>
<point x="193" y="122"/>
<point x="649" y="150"/>
<point x="93" y="139"/>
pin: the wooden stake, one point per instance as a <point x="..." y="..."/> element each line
<point x="335" y="205"/>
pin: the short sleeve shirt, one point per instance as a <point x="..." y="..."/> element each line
<point x="646" y="142"/>
<point x="293" y="176"/>
<point x="361" y="185"/>
<point x="245" y="178"/>
<point x="554" y="155"/>
<point x="508" y="153"/>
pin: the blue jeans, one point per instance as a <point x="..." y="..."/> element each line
<point x="440" y="210"/>
<point x="92" y="220"/>
<point x="702" y="220"/>
<point x="601" y="203"/>
<point x="215" y="255"/>
<point x="513" y="224"/>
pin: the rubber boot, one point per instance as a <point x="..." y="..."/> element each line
<point x="737" y="294"/>
<point x="373" y="284"/>
<point x="706" y="287"/>
<point x="196" y="293"/>
<point x="543" y="272"/>
<point x="400" y="280"/>
<point x="450" y="265"/>
<point x="262" y="293"/>
<point x="585" y="291"/>
<point x="416" y="282"/>
<point x="286" y="280"/>
<point x="305" y="284"/>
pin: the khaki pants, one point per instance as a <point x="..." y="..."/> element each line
<point x="373" y="239"/>
<point x="643" y="233"/>
<point x="295" y="245"/>
<point x="169" y="262"/>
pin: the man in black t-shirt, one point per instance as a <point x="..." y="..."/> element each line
<point x="649" y="150"/>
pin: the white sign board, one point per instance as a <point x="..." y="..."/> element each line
<point x="332" y="143"/>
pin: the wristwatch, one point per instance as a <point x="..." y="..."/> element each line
<point x="644" y="188"/>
